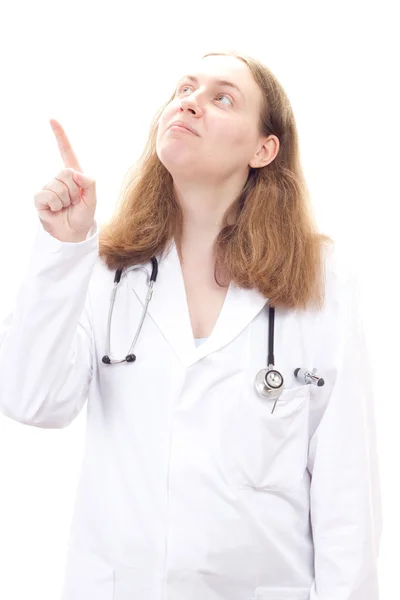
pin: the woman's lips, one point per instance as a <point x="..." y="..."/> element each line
<point x="181" y="128"/>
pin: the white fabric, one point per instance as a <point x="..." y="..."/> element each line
<point x="190" y="487"/>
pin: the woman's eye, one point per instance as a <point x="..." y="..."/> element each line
<point x="219" y="95"/>
<point x="224" y="95"/>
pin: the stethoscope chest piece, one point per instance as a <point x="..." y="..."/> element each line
<point x="269" y="383"/>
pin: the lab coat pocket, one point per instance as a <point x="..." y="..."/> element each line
<point x="86" y="577"/>
<point x="269" y="449"/>
<point x="282" y="593"/>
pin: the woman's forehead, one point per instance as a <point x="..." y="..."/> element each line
<point x="216" y="67"/>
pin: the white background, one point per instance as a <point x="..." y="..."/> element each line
<point x="102" y="70"/>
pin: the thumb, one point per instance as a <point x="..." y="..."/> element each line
<point x="87" y="185"/>
<point x="84" y="182"/>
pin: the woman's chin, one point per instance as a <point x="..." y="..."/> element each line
<point x="179" y="162"/>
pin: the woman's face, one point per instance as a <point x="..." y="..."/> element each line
<point x="225" y="119"/>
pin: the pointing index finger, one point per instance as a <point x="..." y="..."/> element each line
<point x="64" y="145"/>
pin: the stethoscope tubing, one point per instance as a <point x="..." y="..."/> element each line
<point x="130" y="357"/>
<point x="107" y="359"/>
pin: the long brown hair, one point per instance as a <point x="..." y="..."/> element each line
<point x="273" y="244"/>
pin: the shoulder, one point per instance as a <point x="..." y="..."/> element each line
<point x="342" y="310"/>
<point x="340" y="273"/>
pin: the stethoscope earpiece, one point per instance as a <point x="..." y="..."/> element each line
<point x="128" y="358"/>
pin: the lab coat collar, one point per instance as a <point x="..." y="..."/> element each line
<point x="169" y="310"/>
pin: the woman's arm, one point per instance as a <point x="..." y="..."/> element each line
<point x="46" y="341"/>
<point x="343" y="461"/>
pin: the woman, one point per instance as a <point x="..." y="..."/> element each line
<point x="205" y="476"/>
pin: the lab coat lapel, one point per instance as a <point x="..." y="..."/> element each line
<point x="239" y="309"/>
<point x="169" y="309"/>
<point x="168" y="305"/>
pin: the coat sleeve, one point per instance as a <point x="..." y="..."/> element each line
<point x="46" y="340"/>
<point x="345" y="499"/>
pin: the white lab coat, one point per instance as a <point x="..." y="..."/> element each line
<point x="190" y="488"/>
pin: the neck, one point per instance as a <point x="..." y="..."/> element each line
<point x="203" y="211"/>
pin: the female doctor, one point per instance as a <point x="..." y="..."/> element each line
<point x="230" y="451"/>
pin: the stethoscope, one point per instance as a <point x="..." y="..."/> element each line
<point x="150" y="283"/>
<point x="269" y="382"/>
